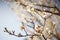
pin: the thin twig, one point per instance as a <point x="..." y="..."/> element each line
<point x="21" y="35"/>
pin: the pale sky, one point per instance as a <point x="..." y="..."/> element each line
<point x="8" y="19"/>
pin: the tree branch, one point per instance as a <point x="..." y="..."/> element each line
<point x="11" y="33"/>
<point x="44" y="10"/>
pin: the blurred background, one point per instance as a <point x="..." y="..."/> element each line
<point x="9" y="19"/>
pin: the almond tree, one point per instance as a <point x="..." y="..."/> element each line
<point x="39" y="19"/>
